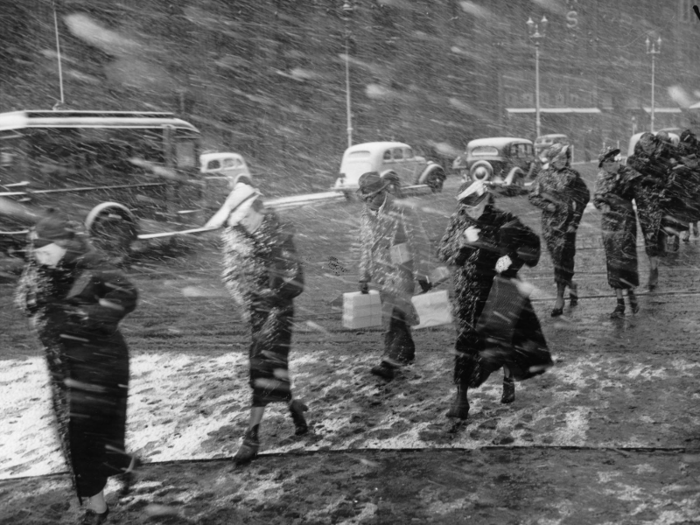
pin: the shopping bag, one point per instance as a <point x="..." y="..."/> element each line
<point x="433" y="308"/>
<point x="497" y="321"/>
<point x="362" y="310"/>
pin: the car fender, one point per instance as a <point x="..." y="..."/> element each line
<point x="481" y="163"/>
<point x="106" y="207"/>
<point x="431" y="168"/>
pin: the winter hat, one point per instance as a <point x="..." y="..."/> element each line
<point x="474" y="193"/>
<point x="610" y="154"/>
<point x="558" y="152"/>
<point x="54" y="227"/>
<point x="236" y="207"/>
<point x="371" y="183"/>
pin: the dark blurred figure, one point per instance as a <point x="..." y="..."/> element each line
<point x="482" y="241"/>
<point x="652" y="160"/>
<point x="613" y="197"/>
<point x="263" y="274"/>
<point x="394" y="253"/>
<point x="562" y="195"/>
<point x="689" y="156"/>
<point x="75" y="300"/>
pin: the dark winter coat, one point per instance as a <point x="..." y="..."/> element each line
<point x="501" y="233"/>
<point x="648" y="190"/>
<point x="568" y="192"/>
<point x="264" y="274"/>
<point x="75" y="309"/>
<point x="613" y="196"/>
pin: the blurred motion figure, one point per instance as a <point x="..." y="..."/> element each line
<point x="394" y="252"/>
<point x="561" y="194"/>
<point x="75" y="301"/>
<point x="482" y="242"/>
<point x="613" y="196"/>
<point x="263" y="275"/>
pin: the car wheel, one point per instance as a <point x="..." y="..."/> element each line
<point x="112" y="230"/>
<point x="481" y="171"/>
<point x="435" y="181"/>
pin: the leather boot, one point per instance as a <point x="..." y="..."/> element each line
<point x="296" y="410"/>
<point x="508" y="395"/>
<point x="460" y="406"/>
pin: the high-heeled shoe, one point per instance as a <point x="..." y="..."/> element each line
<point x="618" y="312"/>
<point x="297" y="409"/>
<point x="508" y="395"/>
<point x="93" y="518"/>
<point x="556" y="312"/>
<point x="248" y="451"/>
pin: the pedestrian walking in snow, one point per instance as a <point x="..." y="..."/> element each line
<point x="562" y="195"/>
<point x="651" y="160"/>
<point x="483" y="243"/>
<point x="613" y="196"/>
<point x="263" y="275"/>
<point x="394" y="254"/>
<point x="75" y="301"/>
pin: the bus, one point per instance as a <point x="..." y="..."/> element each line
<point x="125" y="175"/>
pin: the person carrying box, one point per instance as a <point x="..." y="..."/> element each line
<point x="394" y="254"/>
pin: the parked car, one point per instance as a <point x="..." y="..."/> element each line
<point x="500" y="160"/>
<point x="125" y="175"/>
<point x="544" y="142"/>
<point x="395" y="162"/>
<point x="229" y="165"/>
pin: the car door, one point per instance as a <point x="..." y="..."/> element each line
<point x="400" y="166"/>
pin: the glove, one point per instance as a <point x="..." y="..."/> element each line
<point x="471" y="234"/>
<point x="364" y="287"/>
<point x="503" y="264"/>
<point x="425" y="285"/>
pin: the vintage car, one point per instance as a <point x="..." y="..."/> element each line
<point x="229" y="165"/>
<point x="498" y="160"/>
<point x="395" y="162"/>
<point x="544" y="142"/>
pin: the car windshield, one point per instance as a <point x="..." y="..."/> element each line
<point x="484" y="151"/>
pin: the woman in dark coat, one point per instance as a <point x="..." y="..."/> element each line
<point x="653" y="164"/>
<point x="613" y="197"/>
<point x="75" y="301"/>
<point x="263" y="275"/>
<point x="562" y="196"/>
<point x="481" y="241"/>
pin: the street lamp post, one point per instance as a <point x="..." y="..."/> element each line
<point x="653" y="49"/>
<point x="347" y="13"/>
<point x="537" y="37"/>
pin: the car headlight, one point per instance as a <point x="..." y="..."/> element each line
<point x="481" y="173"/>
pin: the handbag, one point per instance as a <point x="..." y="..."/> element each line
<point x="503" y="306"/>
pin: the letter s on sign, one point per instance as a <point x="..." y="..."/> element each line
<point x="572" y="19"/>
